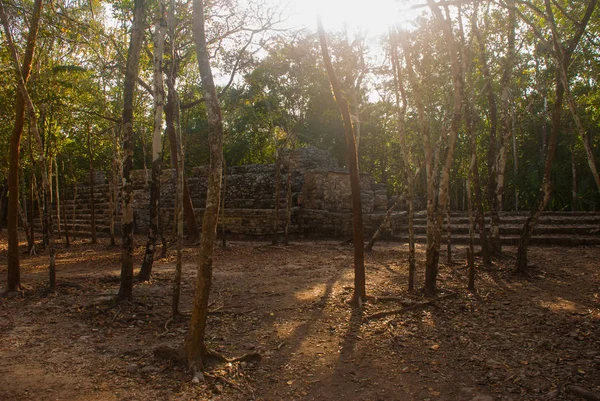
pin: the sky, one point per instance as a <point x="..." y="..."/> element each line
<point x="374" y="16"/>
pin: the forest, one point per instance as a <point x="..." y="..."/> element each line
<point x="265" y="200"/>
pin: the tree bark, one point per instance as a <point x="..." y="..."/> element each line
<point x="224" y="192"/>
<point x="360" y="292"/>
<point x="159" y="95"/>
<point x="471" y="249"/>
<point x="41" y="160"/>
<point x="14" y="271"/>
<point x="56" y="176"/>
<point x="189" y="215"/>
<point x="574" y="199"/>
<point x="180" y="187"/>
<point x="194" y="347"/>
<point x="433" y="250"/>
<point x="474" y="180"/>
<point x="400" y="94"/>
<point x="131" y="73"/>
<point x="74" y="211"/>
<point x="92" y="188"/>
<point x="275" y="238"/>
<point x="564" y="58"/>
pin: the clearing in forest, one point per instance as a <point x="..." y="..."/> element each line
<point x="515" y="339"/>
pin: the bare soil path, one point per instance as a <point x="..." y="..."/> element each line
<point x="515" y="339"/>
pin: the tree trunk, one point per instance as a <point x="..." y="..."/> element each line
<point x="159" y="95"/>
<point x="92" y="188"/>
<point x="113" y="194"/>
<point x="180" y="190"/>
<point x="574" y="199"/>
<point x="224" y="192"/>
<point x="131" y="73"/>
<point x="563" y="57"/>
<point x="31" y="245"/>
<point x="384" y="222"/>
<point x="360" y="292"/>
<point x="275" y="239"/>
<point x="288" y="203"/>
<point x="474" y="182"/>
<point x="41" y="160"/>
<point x="74" y="211"/>
<point x="189" y="215"/>
<point x="3" y="202"/>
<point x="57" y="197"/>
<point x="431" y="268"/>
<point x="194" y="348"/>
<point x="14" y="271"/>
<point x="497" y="201"/>
<point x="400" y="93"/>
<point x="67" y="238"/>
<point x="471" y="249"/>
<point x="448" y="235"/>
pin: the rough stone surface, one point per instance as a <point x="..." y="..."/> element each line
<point x="321" y="197"/>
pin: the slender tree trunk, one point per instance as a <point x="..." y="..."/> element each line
<point x="14" y="271"/>
<point x="144" y="155"/>
<point x="564" y="58"/>
<point x="131" y="73"/>
<point x="74" y="211"/>
<point x="57" y="198"/>
<point x="159" y="95"/>
<point x="431" y="268"/>
<point x="574" y="199"/>
<point x="471" y="249"/>
<point x="277" y="196"/>
<point x="448" y="235"/>
<point x="113" y="187"/>
<point x="31" y="246"/>
<point x="474" y="181"/>
<point x="92" y="188"/>
<point x="67" y="238"/>
<point x="23" y="212"/>
<point x="400" y="93"/>
<point x="224" y="192"/>
<point x="288" y="205"/>
<point x="360" y="292"/>
<point x="195" y="347"/>
<point x="3" y="199"/>
<point x="189" y="215"/>
<point x="41" y="160"/>
<point x="497" y="202"/>
<point x="384" y="222"/>
<point x="515" y="162"/>
<point x="180" y="199"/>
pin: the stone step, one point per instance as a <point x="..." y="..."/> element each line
<point x="513" y="240"/>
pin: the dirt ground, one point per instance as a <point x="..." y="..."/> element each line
<point x="515" y="339"/>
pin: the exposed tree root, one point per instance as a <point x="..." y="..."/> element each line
<point x="583" y="393"/>
<point x="408" y="305"/>
<point x="175" y="355"/>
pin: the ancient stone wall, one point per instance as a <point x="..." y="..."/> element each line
<point x="321" y="198"/>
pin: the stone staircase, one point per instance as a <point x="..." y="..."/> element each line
<point x="554" y="228"/>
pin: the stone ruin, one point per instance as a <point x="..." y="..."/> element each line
<point x="321" y="205"/>
<point x="321" y="198"/>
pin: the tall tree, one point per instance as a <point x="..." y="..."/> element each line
<point x="360" y="292"/>
<point x="401" y="98"/>
<point x="159" y="96"/>
<point x="24" y="70"/>
<point x="194" y="348"/>
<point x="41" y="159"/>
<point x="563" y="54"/>
<point x="436" y="212"/>
<point x="131" y="74"/>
